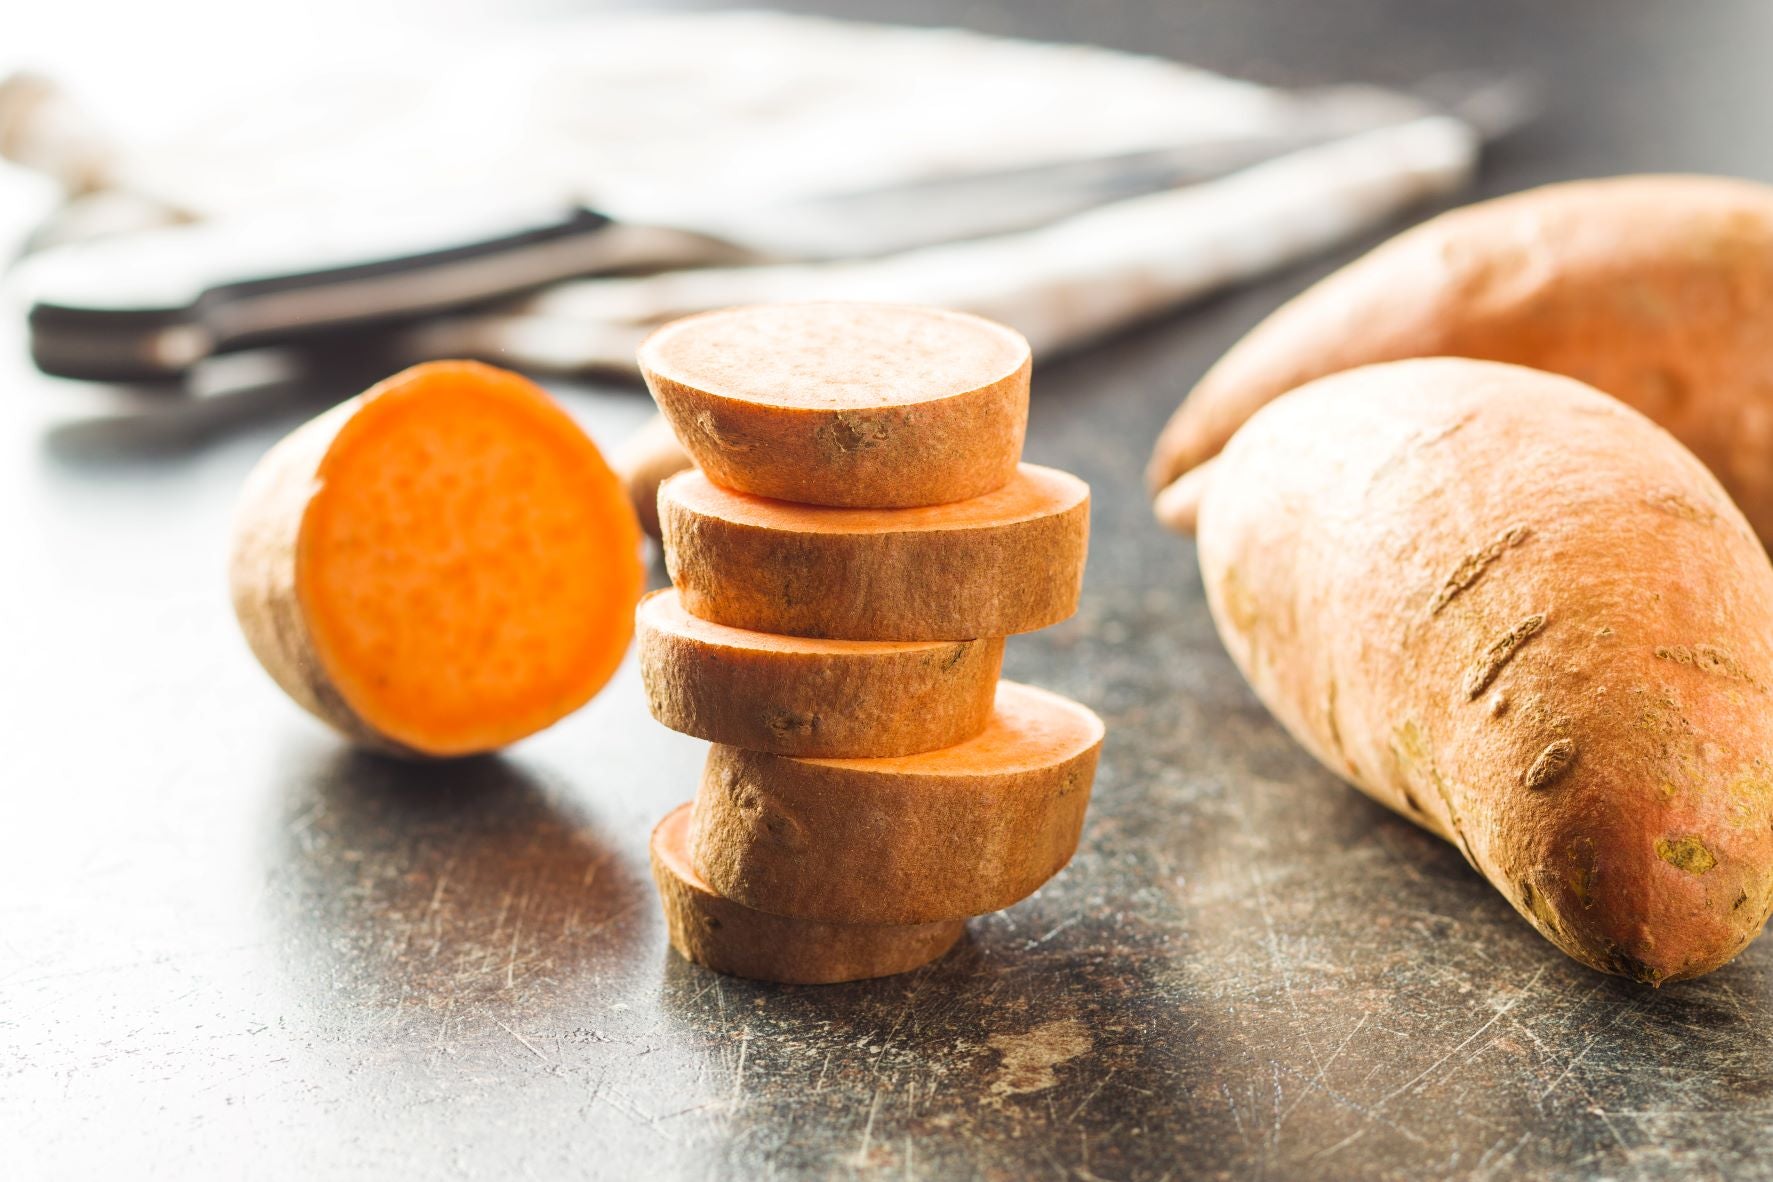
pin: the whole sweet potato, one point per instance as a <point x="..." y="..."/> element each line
<point x="1655" y="289"/>
<point x="1520" y="614"/>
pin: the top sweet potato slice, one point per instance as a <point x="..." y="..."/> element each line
<point x="859" y="405"/>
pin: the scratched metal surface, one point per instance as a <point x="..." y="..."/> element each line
<point x="231" y="948"/>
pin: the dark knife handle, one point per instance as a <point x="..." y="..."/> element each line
<point x="82" y="328"/>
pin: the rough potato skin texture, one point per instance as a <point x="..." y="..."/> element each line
<point x="891" y="842"/>
<point x="897" y="580"/>
<point x="825" y="698"/>
<point x="728" y="938"/>
<point x="1655" y="289"/>
<point x="268" y="523"/>
<point x="904" y="449"/>
<point x="646" y="460"/>
<point x="1520" y="614"/>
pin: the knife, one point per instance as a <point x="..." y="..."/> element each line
<point x="150" y="305"/>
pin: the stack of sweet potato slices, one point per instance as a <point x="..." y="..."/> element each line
<point x="857" y="539"/>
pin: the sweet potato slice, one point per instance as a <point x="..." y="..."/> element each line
<point x="729" y="938"/>
<point x="1657" y="290"/>
<point x="950" y="833"/>
<point x="440" y="566"/>
<point x="858" y="405"/>
<point x="645" y="460"/>
<point x="795" y="696"/>
<point x="1010" y="561"/>
<point x="1523" y="616"/>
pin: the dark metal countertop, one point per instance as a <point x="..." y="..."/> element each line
<point x="229" y="947"/>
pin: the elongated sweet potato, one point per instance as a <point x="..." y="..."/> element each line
<point x="950" y="833"/>
<point x="1655" y="289"/>
<point x="440" y="566"/>
<point x="1010" y="561"/>
<point x="722" y="935"/>
<point x="859" y="405"/>
<point x="789" y="695"/>
<point x="1520" y="614"/>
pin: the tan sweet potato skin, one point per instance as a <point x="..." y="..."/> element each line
<point x="882" y="584"/>
<point x="647" y="459"/>
<point x="268" y="522"/>
<point x="729" y="938"/>
<point x="1519" y="613"/>
<point x="1655" y="289"/>
<point x="834" y="703"/>
<point x="849" y="843"/>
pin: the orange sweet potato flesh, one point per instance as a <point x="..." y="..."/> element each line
<point x="789" y="695"/>
<point x="962" y="831"/>
<point x="723" y="935"/>
<point x="1522" y="615"/>
<point x="440" y="566"/>
<point x="857" y="405"/>
<point x="1007" y="562"/>
<point x="1655" y="289"/>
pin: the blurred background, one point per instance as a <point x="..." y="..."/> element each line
<point x="229" y="946"/>
<point x="284" y="143"/>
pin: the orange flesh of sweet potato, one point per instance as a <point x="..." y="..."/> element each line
<point x="723" y="935"/>
<point x="442" y="566"/>
<point x="956" y="832"/>
<point x="1007" y="562"/>
<point x="859" y="405"/>
<point x="1519" y="613"/>
<point x="791" y="695"/>
<point x="1657" y="290"/>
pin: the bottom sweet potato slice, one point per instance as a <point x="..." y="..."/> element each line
<point x="440" y="566"/>
<point x="789" y="695"/>
<point x="730" y="938"/>
<point x="961" y="831"/>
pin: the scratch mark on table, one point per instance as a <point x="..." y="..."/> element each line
<point x="1286" y="973"/>
<point x="1463" y="1043"/>
<point x="1623" y="1011"/>
<point x="1050" y="934"/>
<point x="1319" y="1077"/>
<point x="868" y="1129"/>
<point x="511" y="956"/>
<point x="524" y="1042"/>
<point x="739" y="1073"/>
<point x="1094" y="1092"/>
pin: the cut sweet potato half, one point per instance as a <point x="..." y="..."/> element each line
<point x="440" y="566"/>
<point x="792" y="695"/>
<point x="1010" y="561"/>
<point x="950" y="833"/>
<point x="729" y="938"/>
<point x="858" y="405"/>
